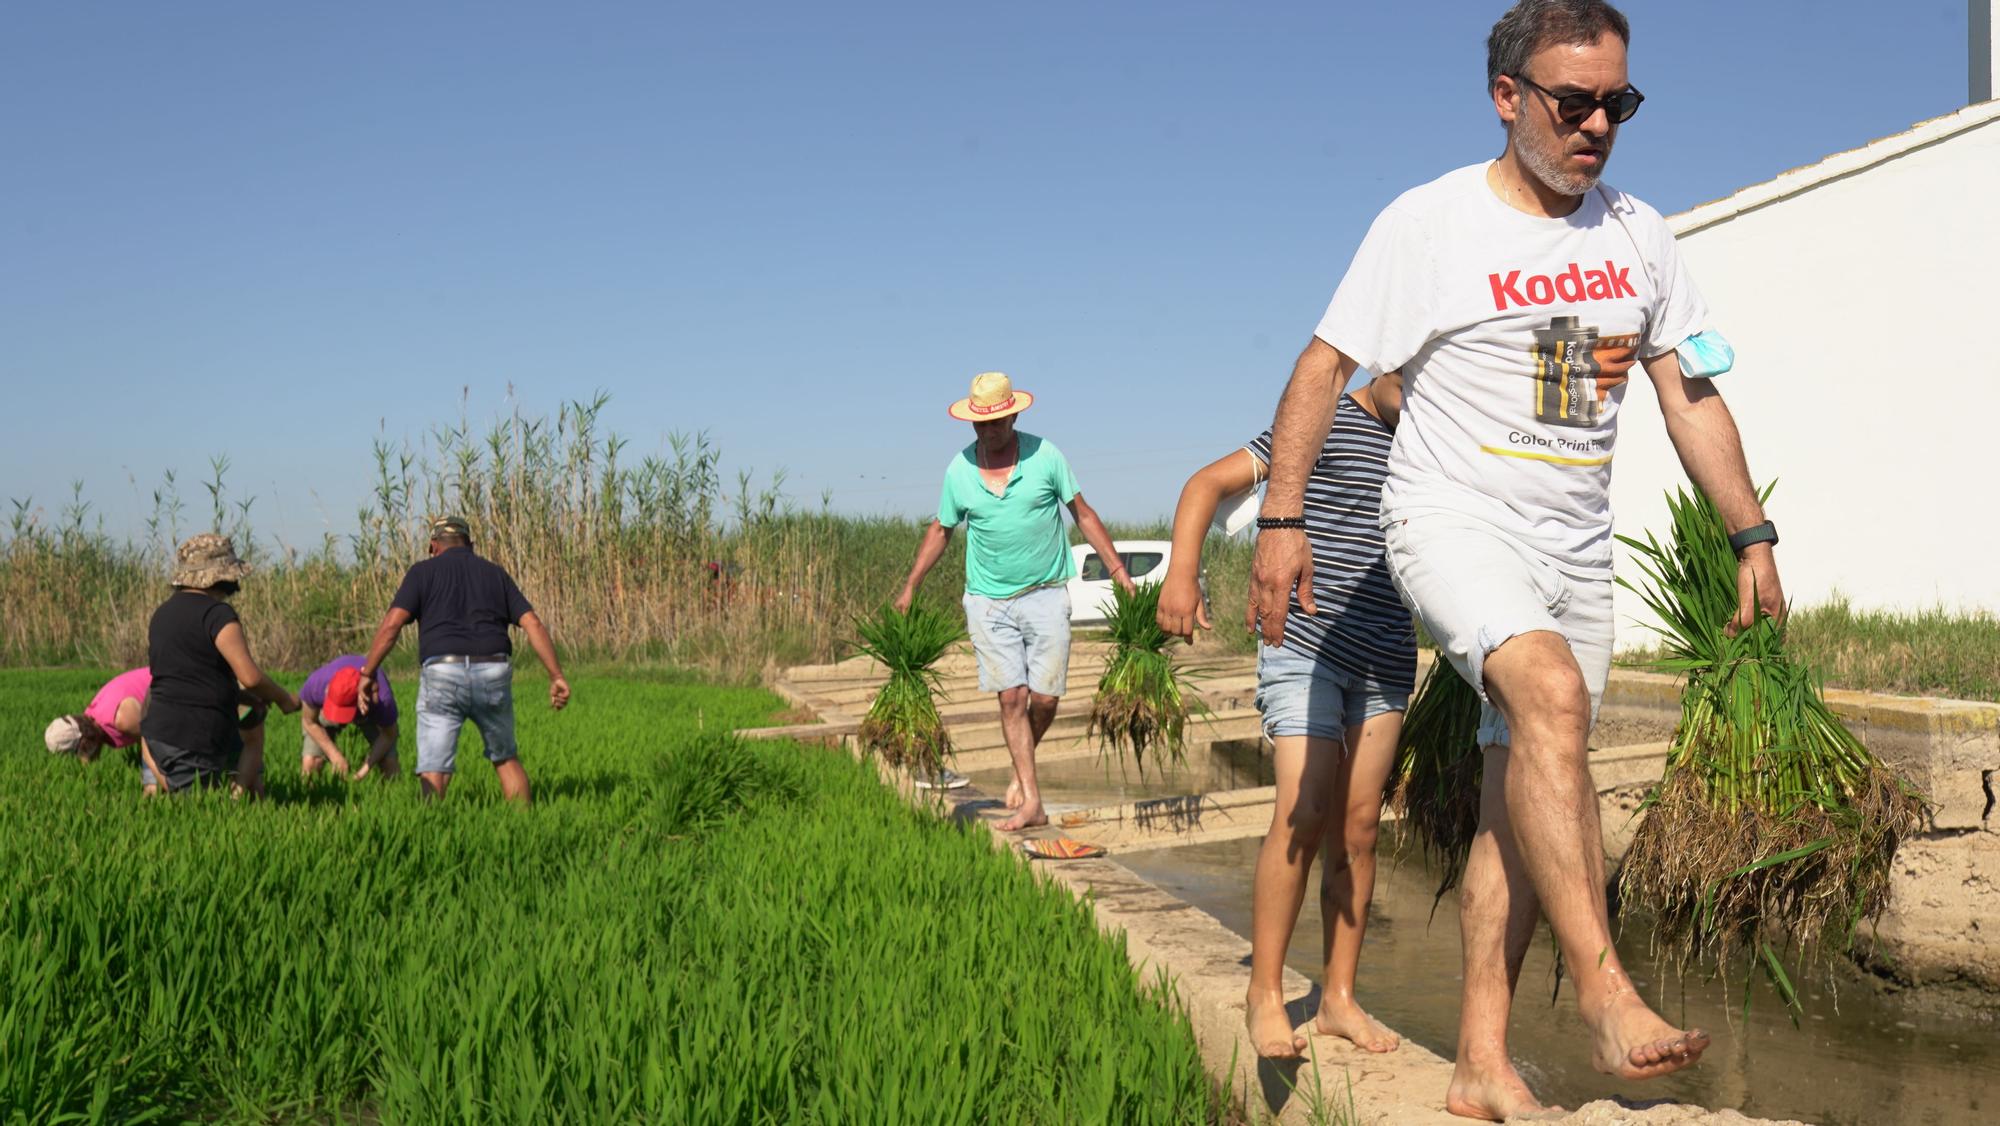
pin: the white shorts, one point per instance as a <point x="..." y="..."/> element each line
<point x="1474" y="586"/>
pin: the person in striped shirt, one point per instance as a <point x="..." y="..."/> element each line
<point x="1333" y="695"/>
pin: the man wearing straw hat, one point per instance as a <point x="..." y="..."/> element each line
<point x="463" y="604"/>
<point x="1009" y="488"/>
<point x="202" y="672"/>
<point x="1517" y="295"/>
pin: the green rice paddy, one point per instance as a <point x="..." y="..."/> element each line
<point x="683" y="928"/>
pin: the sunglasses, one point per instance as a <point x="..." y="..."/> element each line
<point x="1576" y="108"/>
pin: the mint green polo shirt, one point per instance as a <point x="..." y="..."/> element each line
<point x="1013" y="541"/>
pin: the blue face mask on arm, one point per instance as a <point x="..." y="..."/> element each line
<point x="1705" y="355"/>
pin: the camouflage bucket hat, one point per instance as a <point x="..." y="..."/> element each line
<point x="207" y="559"/>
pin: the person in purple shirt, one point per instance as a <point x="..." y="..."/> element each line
<point x="329" y="701"/>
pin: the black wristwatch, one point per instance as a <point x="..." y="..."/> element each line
<point x="1766" y="532"/>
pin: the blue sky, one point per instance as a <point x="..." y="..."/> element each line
<point x="277" y="231"/>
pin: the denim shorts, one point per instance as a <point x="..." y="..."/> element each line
<point x="1474" y="587"/>
<point x="448" y="695"/>
<point x="1021" y="640"/>
<point x="1300" y="695"/>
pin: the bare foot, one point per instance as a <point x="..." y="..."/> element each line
<point x="1494" y="1095"/>
<point x="1014" y="796"/>
<point x="1027" y="817"/>
<point x="1632" y="1042"/>
<point x="1345" y="1019"/>
<point x="1271" y="1031"/>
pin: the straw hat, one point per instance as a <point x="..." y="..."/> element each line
<point x="207" y="559"/>
<point x="993" y="396"/>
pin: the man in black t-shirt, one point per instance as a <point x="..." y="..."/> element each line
<point x="202" y="669"/>
<point x="463" y="605"/>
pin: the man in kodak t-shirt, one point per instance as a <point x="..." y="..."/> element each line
<point x="1519" y="297"/>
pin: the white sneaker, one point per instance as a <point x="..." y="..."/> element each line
<point x="944" y="780"/>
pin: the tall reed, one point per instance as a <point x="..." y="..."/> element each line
<point x="628" y="558"/>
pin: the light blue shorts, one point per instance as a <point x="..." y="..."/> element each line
<point x="1303" y="696"/>
<point x="448" y="695"/>
<point x="1021" y="640"/>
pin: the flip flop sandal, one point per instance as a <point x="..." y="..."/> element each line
<point x="1060" y="848"/>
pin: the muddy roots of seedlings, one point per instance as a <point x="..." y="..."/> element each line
<point x="1435" y="790"/>
<point x="903" y="724"/>
<point x="1773" y="829"/>
<point x="1143" y="702"/>
<point x="1140" y="708"/>
<point x="1789" y="858"/>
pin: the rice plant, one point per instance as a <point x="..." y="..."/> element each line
<point x="1143" y="702"/>
<point x="902" y="724"/>
<point x="796" y="944"/>
<point x="1773" y="828"/>
<point x="1435" y="788"/>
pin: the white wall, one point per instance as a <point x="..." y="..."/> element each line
<point x="1864" y="314"/>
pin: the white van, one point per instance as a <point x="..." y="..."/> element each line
<point x="1090" y="591"/>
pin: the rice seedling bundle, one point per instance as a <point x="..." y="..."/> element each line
<point x="1438" y="763"/>
<point x="1773" y="828"/>
<point x="1143" y="702"/>
<point x="684" y="928"/>
<point x="902" y="724"/>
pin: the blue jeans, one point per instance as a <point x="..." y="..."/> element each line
<point x="1300" y="695"/>
<point x="450" y="694"/>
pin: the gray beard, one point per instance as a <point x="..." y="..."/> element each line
<point x="1550" y="172"/>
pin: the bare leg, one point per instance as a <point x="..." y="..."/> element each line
<point x="1306" y="767"/>
<point x="1041" y="713"/>
<point x="250" y="765"/>
<point x="309" y="765"/>
<point x="434" y="782"/>
<point x="1535" y="681"/>
<point x="1020" y="733"/>
<point x="1347" y="879"/>
<point x="1496" y="918"/>
<point x="514" y="781"/>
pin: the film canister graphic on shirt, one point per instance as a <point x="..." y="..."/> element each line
<point x="1575" y="370"/>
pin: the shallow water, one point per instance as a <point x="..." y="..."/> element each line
<point x="1875" y="1061"/>
<point x="1092" y="782"/>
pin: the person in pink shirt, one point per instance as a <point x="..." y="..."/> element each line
<point x="110" y="720"/>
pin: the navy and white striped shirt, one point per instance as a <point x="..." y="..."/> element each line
<point x="1362" y="627"/>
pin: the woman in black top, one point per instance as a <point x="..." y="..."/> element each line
<point x="201" y="670"/>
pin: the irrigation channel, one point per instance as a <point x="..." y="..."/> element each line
<point x="1861" y="1054"/>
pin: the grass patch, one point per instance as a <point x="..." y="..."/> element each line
<point x="684" y="928"/>
<point x="1934" y="652"/>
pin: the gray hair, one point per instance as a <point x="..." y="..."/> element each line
<point x="1531" y="25"/>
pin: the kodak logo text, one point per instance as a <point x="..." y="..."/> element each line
<point x="1572" y="285"/>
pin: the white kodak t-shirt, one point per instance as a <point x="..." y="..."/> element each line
<point x="1516" y="336"/>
